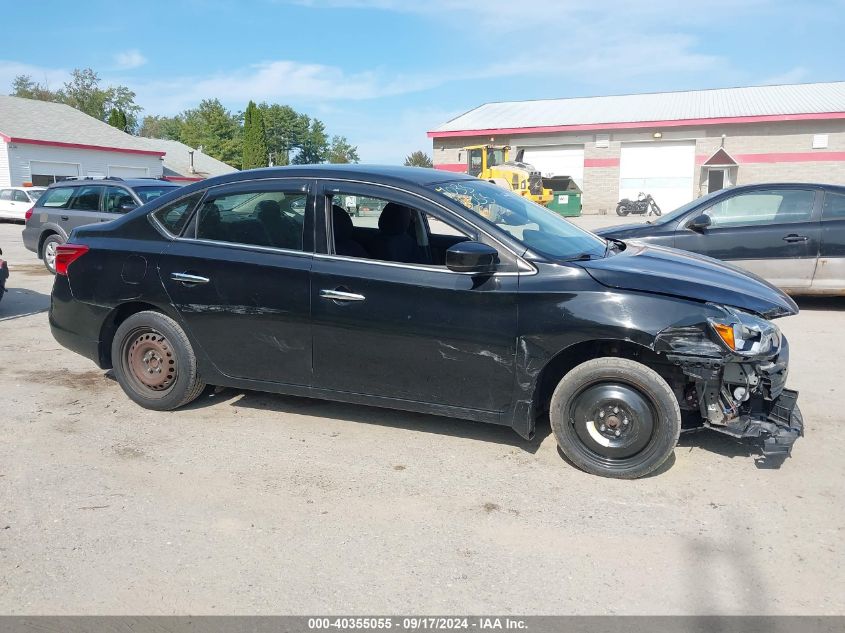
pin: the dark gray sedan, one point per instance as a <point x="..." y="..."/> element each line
<point x="791" y="234"/>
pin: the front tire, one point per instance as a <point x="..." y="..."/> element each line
<point x="615" y="417"/>
<point x="48" y="250"/>
<point x="621" y="209"/>
<point x="154" y="362"/>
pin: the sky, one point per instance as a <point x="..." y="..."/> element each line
<point x="384" y="72"/>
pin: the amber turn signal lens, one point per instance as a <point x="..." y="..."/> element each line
<point x="726" y="333"/>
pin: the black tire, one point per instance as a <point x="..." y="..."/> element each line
<point x="622" y="209"/>
<point x="170" y="361"/>
<point x="655" y="208"/>
<point x="47" y="252"/>
<point x="639" y="435"/>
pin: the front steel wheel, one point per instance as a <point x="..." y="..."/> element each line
<point x="615" y="417"/>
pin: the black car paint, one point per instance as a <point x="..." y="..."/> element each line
<point x="4" y="275"/>
<point x="476" y="347"/>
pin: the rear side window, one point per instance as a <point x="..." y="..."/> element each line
<point x="834" y="206"/>
<point x="175" y="216"/>
<point x="6" y="194"/>
<point x="58" y="197"/>
<point x="87" y="198"/>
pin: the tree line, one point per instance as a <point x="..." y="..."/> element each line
<point x="264" y="134"/>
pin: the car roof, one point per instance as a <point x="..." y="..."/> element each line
<point x="393" y="174"/>
<point x="126" y="182"/>
<point x="770" y="185"/>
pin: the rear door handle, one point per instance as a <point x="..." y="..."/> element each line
<point x="65" y="218"/>
<point x="792" y="237"/>
<point x="187" y="278"/>
<point x="341" y="295"/>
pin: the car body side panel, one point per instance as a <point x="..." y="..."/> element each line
<point x="830" y="271"/>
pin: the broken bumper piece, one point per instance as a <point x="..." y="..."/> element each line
<point x="777" y="429"/>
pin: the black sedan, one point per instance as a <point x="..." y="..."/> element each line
<point x="792" y="235"/>
<point x="460" y="299"/>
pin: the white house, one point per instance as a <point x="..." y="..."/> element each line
<point x="43" y="142"/>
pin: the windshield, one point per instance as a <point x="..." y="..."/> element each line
<point x="536" y="227"/>
<point x="677" y="213"/>
<point x="34" y="194"/>
<point x="152" y="192"/>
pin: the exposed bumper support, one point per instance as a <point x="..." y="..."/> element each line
<point x="778" y="430"/>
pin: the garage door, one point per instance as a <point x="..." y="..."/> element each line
<point x="558" y="160"/>
<point x="47" y="172"/>
<point x="665" y="170"/>
<point x="128" y="172"/>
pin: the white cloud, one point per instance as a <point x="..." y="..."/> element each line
<point x="790" y="76"/>
<point x="53" y="78"/>
<point x="126" y="60"/>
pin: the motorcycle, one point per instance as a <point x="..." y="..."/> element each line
<point x="643" y="205"/>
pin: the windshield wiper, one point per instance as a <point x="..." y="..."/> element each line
<point x="581" y="257"/>
<point x="616" y="242"/>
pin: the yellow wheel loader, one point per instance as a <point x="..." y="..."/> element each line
<point x="492" y="163"/>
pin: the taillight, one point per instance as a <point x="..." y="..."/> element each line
<point x="66" y="254"/>
<point x="29" y="213"/>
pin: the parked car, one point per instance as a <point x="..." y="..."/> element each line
<point x="509" y="314"/>
<point x="4" y="275"/>
<point x="16" y="201"/>
<point x="792" y="235"/>
<point x="68" y="204"/>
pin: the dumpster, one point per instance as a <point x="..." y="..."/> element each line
<point x="566" y="198"/>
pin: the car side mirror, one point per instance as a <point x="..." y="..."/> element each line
<point x="471" y="257"/>
<point x="126" y="207"/>
<point x="700" y="222"/>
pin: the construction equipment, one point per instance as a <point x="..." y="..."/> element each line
<point x="492" y="163"/>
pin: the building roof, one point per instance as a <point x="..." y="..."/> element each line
<point x="693" y="107"/>
<point x="47" y="123"/>
<point x="177" y="160"/>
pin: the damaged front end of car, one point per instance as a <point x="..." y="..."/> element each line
<point x="735" y="366"/>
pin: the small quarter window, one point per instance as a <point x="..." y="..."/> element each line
<point x="175" y="215"/>
<point x="57" y="198"/>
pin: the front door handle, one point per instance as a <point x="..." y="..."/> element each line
<point x="792" y="237"/>
<point x="341" y="295"/>
<point x="64" y="218"/>
<point x="187" y="278"/>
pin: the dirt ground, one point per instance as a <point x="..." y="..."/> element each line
<point x="253" y="503"/>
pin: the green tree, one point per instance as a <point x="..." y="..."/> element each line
<point x="255" y="138"/>
<point x="315" y="146"/>
<point x="213" y="127"/>
<point x="117" y="118"/>
<point x="154" y="126"/>
<point x="84" y="93"/>
<point x="340" y="151"/>
<point x="24" y="86"/>
<point x="286" y="130"/>
<point x="418" y="159"/>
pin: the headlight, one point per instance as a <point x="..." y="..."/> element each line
<point x="745" y="333"/>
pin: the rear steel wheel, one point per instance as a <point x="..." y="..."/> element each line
<point x="49" y="251"/>
<point x="615" y="417"/>
<point x="154" y="362"/>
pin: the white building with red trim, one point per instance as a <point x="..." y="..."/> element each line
<point x="42" y="142"/>
<point x="675" y="145"/>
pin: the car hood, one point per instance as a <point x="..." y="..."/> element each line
<point x="625" y="230"/>
<point x="670" y="271"/>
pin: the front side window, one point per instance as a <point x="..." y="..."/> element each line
<point x="258" y="218"/>
<point x="57" y="198"/>
<point x="535" y="226"/>
<point x="834" y="206"/>
<point x="87" y="198"/>
<point x="20" y="196"/>
<point x="174" y="216"/>
<point x="117" y="200"/>
<point x="774" y="206"/>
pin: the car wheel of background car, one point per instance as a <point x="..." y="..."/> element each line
<point x="621" y="209"/>
<point x="49" y="251"/>
<point x="615" y="417"/>
<point x="154" y="362"/>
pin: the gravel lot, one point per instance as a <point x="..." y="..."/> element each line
<point x="253" y="503"/>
